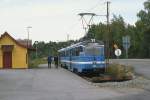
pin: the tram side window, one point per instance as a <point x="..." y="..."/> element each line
<point x="102" y="51"/>
<point x="78" y="50"/>
<point x="70" y="52"/>
<point x="67" y="53"/>
<point x="81" y="49"/>
<point x="73" y="52"/>
<point x="62" y="54"/>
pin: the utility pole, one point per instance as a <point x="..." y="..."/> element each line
<point x="28" y="31"/>
<point x="108" y="35"/>
<point x="36" y="43"/>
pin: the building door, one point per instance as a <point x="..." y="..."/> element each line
<point x="7" y="60"/>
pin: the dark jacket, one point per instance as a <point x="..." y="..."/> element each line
<point x="56" y="60"/>
<point x="49" y="59"/>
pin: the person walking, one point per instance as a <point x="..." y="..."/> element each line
<point x="56" y="61"/>
<point x="49" y="60"/>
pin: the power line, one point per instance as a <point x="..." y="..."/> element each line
<point x="99" y="2"/>
<point x="73" y="25"/>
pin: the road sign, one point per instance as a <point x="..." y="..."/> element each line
<point x="118" y="52"/>
<point x="126" y="42"/>
<point x="115" y="46"/>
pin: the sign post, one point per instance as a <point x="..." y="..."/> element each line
<point x="126" y="44"/>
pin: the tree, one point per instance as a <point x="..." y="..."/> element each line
<point x="143" y="24"/>
<point x="50" y="48"/>
<point x="117" y="30"/>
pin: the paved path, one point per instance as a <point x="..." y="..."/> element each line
<point x="53" y="84"/>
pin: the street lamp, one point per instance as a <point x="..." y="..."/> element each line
<point x="28" y="31"/>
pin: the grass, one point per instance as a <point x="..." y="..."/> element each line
<point x="34" y="63"/>
<point x="114" y="73"/>
<point x="120" y="71"/>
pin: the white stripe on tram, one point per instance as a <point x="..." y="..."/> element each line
<point x="90" y="62"/>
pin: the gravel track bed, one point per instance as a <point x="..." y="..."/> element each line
<point x="137" y="82"/>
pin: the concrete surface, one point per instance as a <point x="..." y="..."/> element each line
<point x="57" y="84"/>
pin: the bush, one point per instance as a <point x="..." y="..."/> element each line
<point x="120" y="71"/>
<point x="35" y="62"/>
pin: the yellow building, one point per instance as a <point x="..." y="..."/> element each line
<point x="12" y="53"/>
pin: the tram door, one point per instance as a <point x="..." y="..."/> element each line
<point x="70" y="58"/>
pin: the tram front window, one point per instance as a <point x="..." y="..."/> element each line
<point x="94" y="51"/>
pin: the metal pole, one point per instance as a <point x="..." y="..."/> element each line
<point x="107" y="38"/>
<point x="28" y="31"/>
<point x="126" y="47"/>
<point x="28" y="44"/>
<point x="36" y="51"/>
<point x="36" y="42"/>
<point x="126" y="52"/>
<point x="28" y="37"/>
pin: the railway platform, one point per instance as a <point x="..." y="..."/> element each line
<point x="52" y="84"/>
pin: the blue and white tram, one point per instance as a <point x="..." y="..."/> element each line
<point x="83" y="57"/>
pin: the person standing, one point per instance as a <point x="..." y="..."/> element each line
<point x="56" y="61"/>
<point x="49" y="60"/>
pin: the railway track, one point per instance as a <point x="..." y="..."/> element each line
<point x="104" y="78"/>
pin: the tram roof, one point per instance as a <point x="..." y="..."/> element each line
<point x="80" y="44"/>
<point x="72" y="46"/>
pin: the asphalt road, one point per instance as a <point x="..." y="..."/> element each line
<point x="141" y="66"/>
<point x="57" y="84"/>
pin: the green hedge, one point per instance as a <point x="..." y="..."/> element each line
<point x="35" y="62"/>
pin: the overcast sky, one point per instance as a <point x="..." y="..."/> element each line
<point x="52" y="20"/>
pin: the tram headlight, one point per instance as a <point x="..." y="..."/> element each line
<point x="94" y="66"/>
